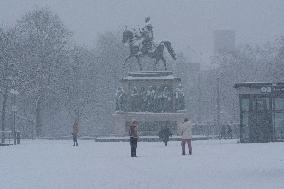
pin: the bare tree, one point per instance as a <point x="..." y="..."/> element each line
<point x="78" y="84"/>
<point x="7" y="72"/>
<point x="43" y="46"/>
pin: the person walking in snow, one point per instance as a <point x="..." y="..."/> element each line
<point x="164" y="135"/>
<point x="223" y="132"/>
<point x="75" y="132"/>
<point x="133" y="133"/>
<point x="229" y="132"/>
<point x="186" y="135"/>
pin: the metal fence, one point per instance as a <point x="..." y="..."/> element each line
<point x="215" y="131"/>
<point x="8" y="138"/>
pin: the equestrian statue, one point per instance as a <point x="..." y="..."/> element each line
<point x="141" y="44"/>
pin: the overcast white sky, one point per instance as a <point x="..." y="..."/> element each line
<point x="183" y="22"/>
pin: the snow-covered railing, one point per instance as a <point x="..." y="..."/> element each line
<point x="6" y="138"/>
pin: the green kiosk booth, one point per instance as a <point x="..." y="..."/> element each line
<point x="261" y="111"/>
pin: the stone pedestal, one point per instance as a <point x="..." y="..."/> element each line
<point x="159" y="108"/>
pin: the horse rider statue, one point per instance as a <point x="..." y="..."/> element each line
<point x="147" y="36"/>
<point x="141" y="43"/>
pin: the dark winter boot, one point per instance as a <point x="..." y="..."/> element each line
<point x="132" y="152"/>
<point x="183" y="148"/>
<point x="166" y="143"/>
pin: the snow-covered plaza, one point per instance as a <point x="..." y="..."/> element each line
<point x="56" y="164"/>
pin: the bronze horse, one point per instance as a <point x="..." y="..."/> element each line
<point x="137" y="52"/>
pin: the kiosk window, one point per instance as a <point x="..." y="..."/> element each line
<point x="244" y="104"/>
<point x="279" y="125"/>
<point x="262" y="104"/>
<point x="279" y="104"/>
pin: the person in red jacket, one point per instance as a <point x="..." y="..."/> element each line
<point x="133" y="133"/>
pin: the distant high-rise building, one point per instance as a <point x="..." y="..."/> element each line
<point x="189" y="73"/>
<point x="224" y="41"/>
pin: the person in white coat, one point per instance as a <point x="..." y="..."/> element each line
<point x="186" y="135"/>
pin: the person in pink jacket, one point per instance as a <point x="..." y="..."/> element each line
<point x="186" y="135"/>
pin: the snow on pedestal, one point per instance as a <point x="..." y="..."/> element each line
<point x="163" y="85"/>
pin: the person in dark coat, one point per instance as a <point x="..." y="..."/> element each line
<point x="229" y="131"/>
<point x="223" y="132"/>
<point x="164" y="135"/>
<point x="75" y="132"/>
<point x="133" y="133"/>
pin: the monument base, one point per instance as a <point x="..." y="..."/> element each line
<point x="153" y="98"/>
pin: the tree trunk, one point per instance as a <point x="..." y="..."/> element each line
<point x="3" y="116"/>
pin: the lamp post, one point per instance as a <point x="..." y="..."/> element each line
<point x="219" y="115"/>
<point x="218" y="102"/>
<point x="14" y="110"/>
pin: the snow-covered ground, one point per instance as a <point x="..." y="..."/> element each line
<point x="44" y="164"/>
